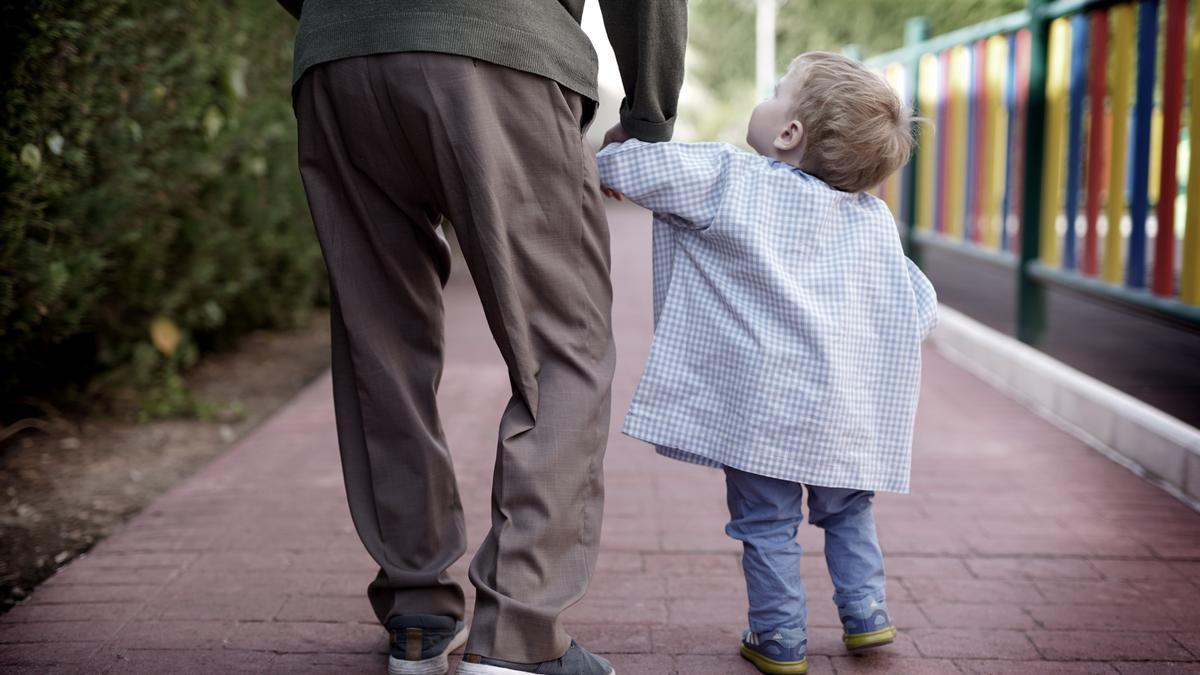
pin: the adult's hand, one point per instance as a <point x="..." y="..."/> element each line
<point x="616" y="134"/>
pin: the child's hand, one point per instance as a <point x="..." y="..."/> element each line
<point x="616" y="134"/>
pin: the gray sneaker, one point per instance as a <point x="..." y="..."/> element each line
<point x="421" y="643"/>
<point x="577" y="661"/>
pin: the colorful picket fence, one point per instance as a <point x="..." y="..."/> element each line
<point x="1056" y="141"/>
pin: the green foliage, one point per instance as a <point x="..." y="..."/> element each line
<point x="147" y="171"/>
<point x="721" y="35"/>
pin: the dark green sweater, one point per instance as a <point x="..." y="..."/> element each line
<point x="536" y="36"/>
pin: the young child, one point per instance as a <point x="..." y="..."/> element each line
<point x="788" y="325"/>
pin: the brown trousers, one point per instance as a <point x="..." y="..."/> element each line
<point x="388" y="145"/>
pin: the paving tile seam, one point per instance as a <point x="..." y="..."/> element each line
<point x="1057" y="556"/>
<point x="964" y="662"/>
<point x="1194" y="652"/>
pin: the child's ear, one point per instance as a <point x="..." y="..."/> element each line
<point x="791" y="137"/>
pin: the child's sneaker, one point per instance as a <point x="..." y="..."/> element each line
<point x="866" y="625"/>
<point x="781" y="651"/>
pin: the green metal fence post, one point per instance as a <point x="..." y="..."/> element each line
<point x="916" y="30"/>
<point x="1031" y="295"/>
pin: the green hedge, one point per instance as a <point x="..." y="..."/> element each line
<point x="147" y="178"/>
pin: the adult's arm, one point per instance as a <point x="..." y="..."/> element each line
<point x="292" y="6"/>
<point x="649" y="38"/>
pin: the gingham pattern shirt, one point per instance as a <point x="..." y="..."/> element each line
<point x="787" y="319"/>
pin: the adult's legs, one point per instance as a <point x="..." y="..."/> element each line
<point x="387" y="262"/>
<point x="523" y="193"/>
<point x="501" y="153"/>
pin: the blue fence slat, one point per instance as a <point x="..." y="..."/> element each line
<point x="1010" y="103"/>
<point x="1078" y="87"/>
<point x="1143" y="109"/>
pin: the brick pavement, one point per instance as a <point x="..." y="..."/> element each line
<point x="1020" y="549"/>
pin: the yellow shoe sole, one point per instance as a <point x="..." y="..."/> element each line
<point x="878" y="638"/>
<point x="772" y="666"/>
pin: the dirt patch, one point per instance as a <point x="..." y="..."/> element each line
<point x="64" y="489"/>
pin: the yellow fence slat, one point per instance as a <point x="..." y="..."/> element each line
<point x="927" y="84"/>
<point x="1189" y="275"/>
<point x="956" y="172"/>
<point x="996" y="138"/>
<point x="1058" y="69"/>
<point x="1122" y="19"/>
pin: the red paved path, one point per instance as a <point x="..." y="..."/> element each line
<point x="1020" y="549"/>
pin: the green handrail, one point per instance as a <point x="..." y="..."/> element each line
<point x="1031" y="296"/>
<point x="1045" y="11"/>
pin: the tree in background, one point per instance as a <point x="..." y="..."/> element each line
<point x="722" y="44"/>
<point x="150" y="207"/>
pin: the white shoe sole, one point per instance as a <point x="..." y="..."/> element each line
<point x="465" y="668"/>
<point x="437" y="665"/>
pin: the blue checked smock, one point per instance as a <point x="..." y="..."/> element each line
<point x="787" y="319"/>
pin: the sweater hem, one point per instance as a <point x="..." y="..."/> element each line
<point x="472" y="37"/>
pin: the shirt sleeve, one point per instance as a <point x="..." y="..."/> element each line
<point x="648" y="38"/>
<point x="926" y="299"/>
<point x="686" y="180"/>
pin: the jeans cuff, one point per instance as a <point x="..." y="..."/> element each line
<point x="863" y="607"/>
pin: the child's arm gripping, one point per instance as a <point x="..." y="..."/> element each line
<point x="687" y="180"/>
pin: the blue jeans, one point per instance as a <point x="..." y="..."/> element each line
<point x="765" y="514"/>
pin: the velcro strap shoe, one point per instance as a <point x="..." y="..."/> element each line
<point x="867" y="625"/>
<point x="778" y="652"/>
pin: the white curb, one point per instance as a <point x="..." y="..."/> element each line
<point x="1140" y="437"/>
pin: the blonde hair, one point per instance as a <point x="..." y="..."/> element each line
<point x="857" y="132"/>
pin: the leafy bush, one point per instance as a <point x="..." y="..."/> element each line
<point x="147" y="179"/>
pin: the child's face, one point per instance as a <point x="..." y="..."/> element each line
<point x="773" y="131"/>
